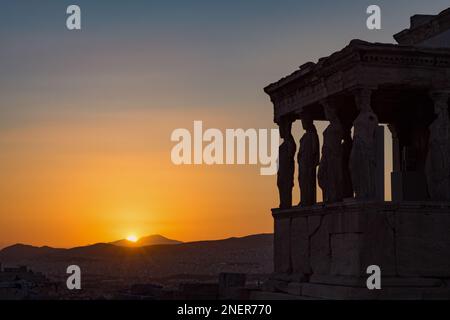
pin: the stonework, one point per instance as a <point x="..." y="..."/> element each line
<point x="308" y="160"/>
<point x="438" y="158"/>
<point x="427" y="30"/>
<point x="363" y="162"/>
<point x="334" y="244"/>
<point x="285" y="180"/>
<point x="323" y="250"/>
<point x="330" y="175"/>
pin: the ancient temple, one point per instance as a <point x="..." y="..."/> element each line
<point x="323" y="250"/>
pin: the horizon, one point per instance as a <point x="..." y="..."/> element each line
<point x="86" y="117"/>
<point x="2" y="246"/>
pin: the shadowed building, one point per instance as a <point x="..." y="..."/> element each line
<point x="20" y="283"/>
<point x="322" y="250"/>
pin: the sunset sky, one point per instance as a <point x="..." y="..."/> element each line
<point x="86" y="116"/>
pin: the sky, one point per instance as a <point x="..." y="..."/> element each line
<point x="86" y="116"/>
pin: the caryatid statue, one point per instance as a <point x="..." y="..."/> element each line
<point x="286" y="164"/>
<point x="363" y="160"/>
<point x="438" y="158"/>
<point x="330" y="175"/>
<point x="308" y="159"/>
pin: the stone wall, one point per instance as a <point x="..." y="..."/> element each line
<point x="408" y="239"/>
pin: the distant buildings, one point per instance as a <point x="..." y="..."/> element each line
<point x="20" y="283"/>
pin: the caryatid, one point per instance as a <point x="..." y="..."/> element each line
<point x="330" y="175"/>
<point x="363" y="161"/>
<point x="438" y="158"/>
<point x="308" y="159"/>
<point x="286" y="164"/>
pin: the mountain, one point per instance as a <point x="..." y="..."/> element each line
<point x="155" y="239"/>
<point x="24" y="252"/>
<point x="251" y="254"/>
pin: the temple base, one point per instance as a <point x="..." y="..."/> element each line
<point x="324" y="251"/>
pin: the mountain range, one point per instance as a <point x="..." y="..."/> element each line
<point x="146" y="241"/>
<point x="163" y="258"/>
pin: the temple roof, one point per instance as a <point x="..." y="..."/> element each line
<point x="424" y="27"/>
<point x="391" y="70"/>
<point x="362" y="51"/>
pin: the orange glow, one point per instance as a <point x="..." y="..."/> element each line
<point x="78" y="182"/>
<point x="70" y="184"/>
<point x="132" y="238"/>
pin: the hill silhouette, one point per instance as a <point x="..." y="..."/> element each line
<point x="146" y="241"/>
<point x="22" y="251"/>
<point x="251" y="254"/>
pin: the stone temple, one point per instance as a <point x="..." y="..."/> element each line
<point x="322" y="250"/>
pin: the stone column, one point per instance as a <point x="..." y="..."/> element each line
<point x="330" y="175"/>
<point x="308" y="159"/>
<point x="438" y="158"/>
<point x="396" y="174"/>
<point x="347" y="149"/>
<point x="363" y="157"/>
<point x="286" y="163"/>
<point x="396" y="150"/>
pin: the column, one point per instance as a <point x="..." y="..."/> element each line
<point x="330" y="175"/>
<point x="347" y="149"/>
<point x="308" y="159"/>
<point x="437" y="166"/>
<point x="287" y="150"/>
<point x="364" y="162"/>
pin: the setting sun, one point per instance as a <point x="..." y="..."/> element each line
<point x="132" y="238"/>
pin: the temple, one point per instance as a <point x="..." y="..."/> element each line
<point x="322" y="250"/>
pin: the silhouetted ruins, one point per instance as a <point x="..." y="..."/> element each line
<point x="322" y="250"/>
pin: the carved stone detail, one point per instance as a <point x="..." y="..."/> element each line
<point x="438" y="159"/>
<point x="363" y="161"/>
<point x="285" y="179"/>
<point x="308" y="159"/>
<point x="330" y="173"/>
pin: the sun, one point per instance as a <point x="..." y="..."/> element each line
<point x="132" y="238"/>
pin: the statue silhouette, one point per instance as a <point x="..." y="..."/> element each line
<point x="438" y="158"/>
<point x="330" y="173"/>
<point x="363" y="161"/>
<point x="308" y="159"/>
<point x="285" y="179"/>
